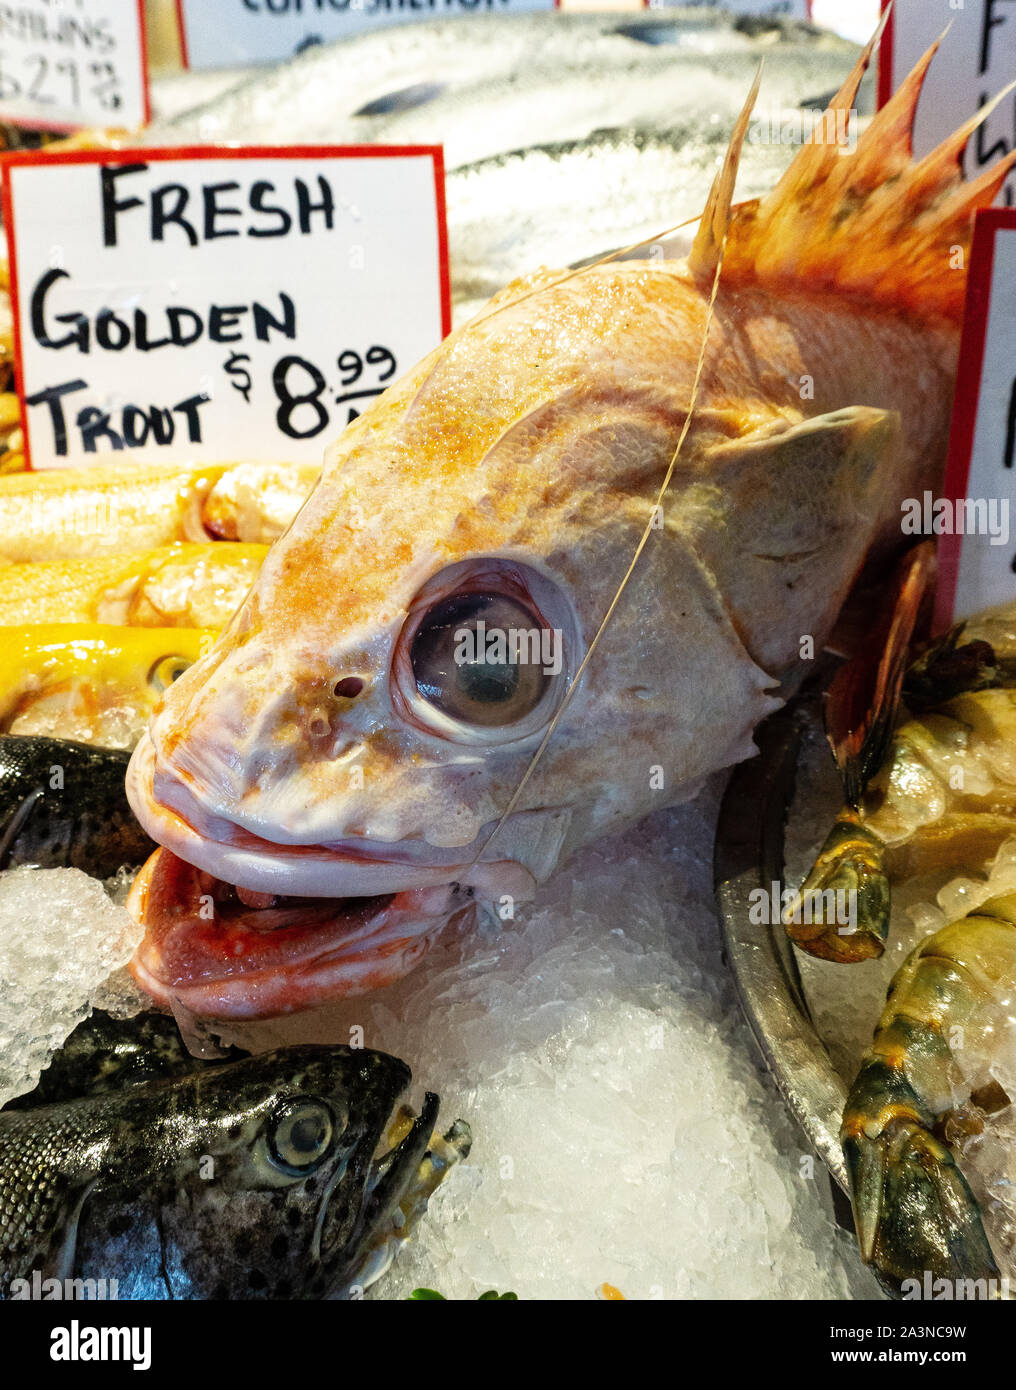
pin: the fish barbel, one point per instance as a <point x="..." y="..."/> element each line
<point x="183" y="585"/>
<point x="94" y="682"/>
<point x="355" y="760"/>
<point x="253" y="1177"/>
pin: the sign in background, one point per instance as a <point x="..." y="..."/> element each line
<point x="976" y="570"/>
<point x="71" y="63"/>
<point x="221" y="33"/>
<point x="976" y="60"/>
<point x="218" y="304"/>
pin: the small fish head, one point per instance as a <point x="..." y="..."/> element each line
<point x="273" y="1186"/>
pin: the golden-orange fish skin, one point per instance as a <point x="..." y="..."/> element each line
<point x="520" y="464"/>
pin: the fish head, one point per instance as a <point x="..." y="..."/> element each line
<point x="276" y="1188"/>
<point x="92" y="681"/>
<point x="358" y="732"/>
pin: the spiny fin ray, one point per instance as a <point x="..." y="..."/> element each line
<point x="873" y="221"/>
<point x="712" y="232"/>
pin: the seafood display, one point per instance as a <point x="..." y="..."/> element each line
<point x="328" y="764"/>
<point x="182" y="585"/>
<point x="94" y="682"/>
<point x="109" y="509"/>
<point x="944" y="800"/>
<point x="256" y="1177"/>
<point x="329" y="749"/>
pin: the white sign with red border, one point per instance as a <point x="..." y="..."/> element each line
<point x="765" y="9"/>
<point x="222" y="33"/>
<point x="977" y="545"/>
<point x="977" y="59"/>
<point x="218" y="303"/>
<point x="66" y="64"/>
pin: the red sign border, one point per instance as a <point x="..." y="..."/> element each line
<point x="156" y="155"/>
<point x="966" y="402"/>
<point x="62" y="128"/>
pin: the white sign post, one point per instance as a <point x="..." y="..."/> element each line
<point x="65" y="64"/>
<point x="218" y="303"/>
<point x="977" y="550"/>
<point x="976" y="60"/>
<point x="222" y="33"/>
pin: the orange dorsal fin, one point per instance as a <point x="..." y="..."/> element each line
<point x="871" y="221"/>
<point x="712" y="231"/>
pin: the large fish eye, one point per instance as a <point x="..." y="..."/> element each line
<point x="300" y="1134"/>
<point x="166" y="670"/>
<point x="482" y="659"/>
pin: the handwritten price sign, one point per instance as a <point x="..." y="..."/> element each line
<point x="977" y="561"/>
<point x="71" y="63"/>
<point x="977" y="59"/>
<point x="232" y="303"/>
<point x="220" y="33"/>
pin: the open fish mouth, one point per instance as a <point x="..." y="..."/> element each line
<point x="403" y="1175"/>
<point x="223" y="951"/>
<point x="237" y="926"/>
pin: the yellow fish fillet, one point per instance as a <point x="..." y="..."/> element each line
<point x="172" y="586"/>
<point x="107" y="509"/>
<point x="89" y="681"/>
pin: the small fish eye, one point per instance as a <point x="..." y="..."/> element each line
<point x="166" y="670"/>
<point x="300" y="1135"/>
<point x="480" y="658"/>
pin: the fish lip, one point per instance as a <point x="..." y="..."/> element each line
<point x="331" y="870"/>
<point x="387" y="1178"/>
<point x="390" y="1174"/>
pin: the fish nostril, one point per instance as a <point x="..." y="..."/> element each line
<point x="348" y="688"/>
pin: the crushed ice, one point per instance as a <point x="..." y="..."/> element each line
<point x="623" y="1128"/>
<point x="61" y="937"/>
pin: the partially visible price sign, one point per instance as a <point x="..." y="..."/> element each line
<point x="765" y="9"/>
<point x="977" y="549"/>
<point x="226" y="303"/>
<point x="977" y="59"/>
<point x="221" y="33"/>
<point x="65" y="64"/>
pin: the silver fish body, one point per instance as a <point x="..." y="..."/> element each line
<point x="564" y="136"/>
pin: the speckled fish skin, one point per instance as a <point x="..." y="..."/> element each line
<point x="63" y="805"/>
<point x="169" y="1185"/>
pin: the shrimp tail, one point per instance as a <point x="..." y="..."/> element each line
<point x="915" y="1214"/>
<point x="913" y="1209"/>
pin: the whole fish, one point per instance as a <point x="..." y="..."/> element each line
<point x="171" y="586"/>
<point x="137" y="1171"/>
<point x="63" y="805"/>
<point x="90" y="681"/>
<point x="402" y="715"/>
<point x="110" y="508"/>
